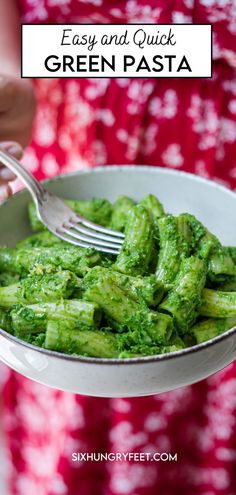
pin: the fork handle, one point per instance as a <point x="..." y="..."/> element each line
<point x="36" y="189"/>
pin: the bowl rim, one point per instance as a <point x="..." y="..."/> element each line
<point x="135" y="360"/>
<point x="120" y="361"/>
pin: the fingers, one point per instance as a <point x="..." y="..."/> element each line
<point x="6" y="175"/>
<point x="5" y="192"/>
<point x="14" y="149"/>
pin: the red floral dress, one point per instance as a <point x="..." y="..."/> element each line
<point x="181" y="123"/>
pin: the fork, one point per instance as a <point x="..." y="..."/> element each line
<point x="60" y="219"/>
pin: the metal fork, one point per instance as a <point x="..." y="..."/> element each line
<point x="60" y="219"/>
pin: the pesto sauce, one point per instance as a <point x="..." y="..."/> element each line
<point x="170" y="272"/>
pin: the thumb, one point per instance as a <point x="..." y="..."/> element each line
<point x="15" y="150"/>
<point x="7" y="92"/>
<point x="5" y="192"/>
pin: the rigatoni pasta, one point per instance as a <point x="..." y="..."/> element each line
<point x="173" y="284"/>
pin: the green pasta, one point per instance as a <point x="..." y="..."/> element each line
<point x="139" y="351"/>
<point x="5" y="321"/>
<point x="142" y="289"/>
<point x="40" y="260"/>
<point x="183" y="301"/>
<point x="172" y="285"/>
<point x="232" y="252"/>
<point x="210" y="328"/>
<point x="202" y="240"/>
<point x="153" y="204"/>
<point x="220" y="264"/>
<point x="207" y="246"/>
<point x="33" y="318"/>
<point x="30" y="290"/>
<point x="7" y="278"/>
<point x="229" y="285"/>
<point x="124" y="310"/>
<point x="218" y="304"/>
<point x="120" y="213"/>
<point x="41" y="239"/>
<point x="170" y="253"/>
<point x="156" y="210"/>
<point x="137" y="249"/>
<point x="92" y="343"/>
<point x="185" y="236"/>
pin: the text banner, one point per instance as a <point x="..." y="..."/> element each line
<point x="112" y="50"/>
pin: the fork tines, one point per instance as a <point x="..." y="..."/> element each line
<point x="84" y="233"/>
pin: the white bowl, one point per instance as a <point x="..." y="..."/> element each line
<point x="213" y="204"/>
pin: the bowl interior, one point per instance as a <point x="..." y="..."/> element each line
<point x="213" y="204"/>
